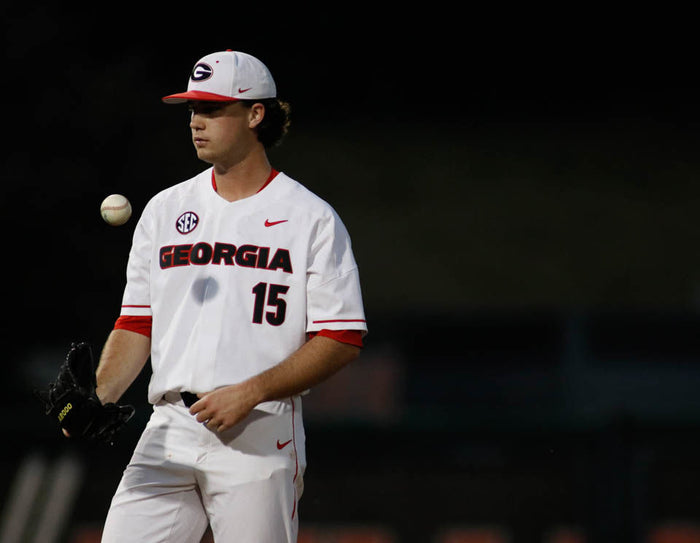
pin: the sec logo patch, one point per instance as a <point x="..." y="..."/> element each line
<point x="187" y="222"/>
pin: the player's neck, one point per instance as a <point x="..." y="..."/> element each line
<point x="243" y="179"/>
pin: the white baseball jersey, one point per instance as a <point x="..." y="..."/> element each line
<point x="234" y="287"/>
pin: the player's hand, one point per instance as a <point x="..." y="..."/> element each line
<point x="224" y="407"/>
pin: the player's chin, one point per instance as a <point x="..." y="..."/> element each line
<point x="204" y="153"/>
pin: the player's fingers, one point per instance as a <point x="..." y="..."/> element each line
<point x="203" y="415"/>
<point x="218" y="425"/>
<point x="197" y="406"/>
<point x="213" y="424"/>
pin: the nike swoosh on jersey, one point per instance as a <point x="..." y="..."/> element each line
<point x="281" y="446"/>
<point x="269" y="223"/>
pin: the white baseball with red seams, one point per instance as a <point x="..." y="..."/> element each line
<point x="115" y="209"/>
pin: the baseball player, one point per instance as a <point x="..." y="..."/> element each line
<point x="243" y="291"/>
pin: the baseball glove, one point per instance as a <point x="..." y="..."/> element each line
<point x="72" y="401"/>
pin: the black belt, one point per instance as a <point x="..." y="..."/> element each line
<point x="188" y="398"/>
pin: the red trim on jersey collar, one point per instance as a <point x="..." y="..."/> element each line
<point x="273" y="174"/>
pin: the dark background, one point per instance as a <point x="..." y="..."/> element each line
<point x="521" y="190"/>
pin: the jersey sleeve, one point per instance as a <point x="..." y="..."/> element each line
<point x="351" y="337"/>
<point x="136" y="300"/>
<point x="334" y="295"/>
<point x="140" y="325"/>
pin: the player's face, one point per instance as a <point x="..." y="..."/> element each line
<point x="222" y="132"/>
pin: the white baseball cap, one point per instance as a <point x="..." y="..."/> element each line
<point x="227" y="76"/>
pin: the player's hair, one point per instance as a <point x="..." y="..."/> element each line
<point x="275" y="123"/>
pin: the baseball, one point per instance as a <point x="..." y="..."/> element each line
<point x="115" y="209"/>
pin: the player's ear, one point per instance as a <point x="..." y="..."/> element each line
<point x="256" y="114"/>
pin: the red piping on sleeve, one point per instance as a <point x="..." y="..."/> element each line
<point x="139" y="324"/>
<point x="351" y="337"/>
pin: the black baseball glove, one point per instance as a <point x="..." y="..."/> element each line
<point x="71" y="399"/>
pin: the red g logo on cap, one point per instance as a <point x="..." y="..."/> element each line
<point x="201" y="72"/>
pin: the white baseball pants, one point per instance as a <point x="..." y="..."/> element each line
<point x="244" y="482"/>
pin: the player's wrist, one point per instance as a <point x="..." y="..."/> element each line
<point x="256" y="391"/>
<point x="105" y="395"/>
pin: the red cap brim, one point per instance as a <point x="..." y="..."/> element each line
<point x="197" y="96"/>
